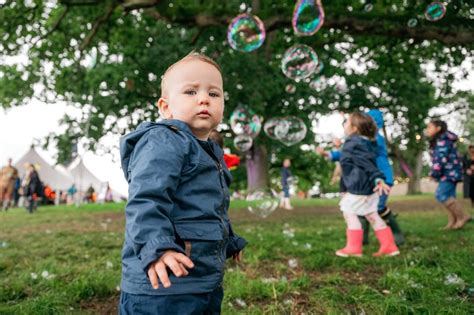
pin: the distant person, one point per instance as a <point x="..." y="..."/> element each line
<point x="8" y="177"/>
<point x="469" y="174"/>
<point x="71" y="194"/>
<point x="446" y="169"/>
<point x="286" y="178"/>
<point x="17" y="192"/>
<point x="33" y="188"/>
<point x="90" y="192"/>
<point x="108" y="194"/>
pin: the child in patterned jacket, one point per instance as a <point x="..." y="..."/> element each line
<point x="446" y="170"/>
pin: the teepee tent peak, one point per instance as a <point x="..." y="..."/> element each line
<point x="84" y="178"/>
<point x="54" y="176"/>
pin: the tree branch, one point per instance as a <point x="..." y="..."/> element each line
<point x="351" y="25"/>
<point x="55" y="25"/>
<point x="130" y="5"/>
<point x="97" y="24"/>
<point x="79" y="3"/>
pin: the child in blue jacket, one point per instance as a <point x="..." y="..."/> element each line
<point x="384" y="166"/>
<point x="360" y="184"/>
<point x="178" y="234"/>
<point x="447" y="170"/>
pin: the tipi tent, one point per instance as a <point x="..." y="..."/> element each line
<point x="83" y="178"/>
<point x="56" y="177"/>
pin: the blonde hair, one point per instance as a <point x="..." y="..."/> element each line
<point x="192" y="55"/>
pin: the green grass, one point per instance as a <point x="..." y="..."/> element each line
<point x="81" y="248"/>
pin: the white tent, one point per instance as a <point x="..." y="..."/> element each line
<point x="84" y="178"/>
<point x="56" y="177"/>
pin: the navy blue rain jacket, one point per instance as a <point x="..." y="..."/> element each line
<point x="178" y="200"/>
<point x="359" y="169"/>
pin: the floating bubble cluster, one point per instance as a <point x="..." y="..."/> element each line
<point x="290" y="130"/>
<point x="245" y="122"/>
<point x="246" y="33"/>
<point x="308" y="17"/>
<point x="262" y="202"/>
<point x="243" y="143"/>
<point x="299" y="62"/>
<point x="435" y="11"/>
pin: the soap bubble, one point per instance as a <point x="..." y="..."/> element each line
<point x="290" y="88"/>
<point x="291" y="130"/>
<point x="269" y="127"/>
<point x="435" y="11"/>
<point x="308" y="17"/>
<point x="245" y="122"/>
<point x="243" y="143"/>
<point x="412" y="22"/>
<point x="262" y="202"/>
<point x="368" y="7"/>
<point x="320" y="67"/>
<point x="299" y="62"/>
<point x="246" y="33"/>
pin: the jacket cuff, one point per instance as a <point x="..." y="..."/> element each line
<point x="236" y="244"/>
<point x="155" y="248"/>
<point x="435" y="174"/>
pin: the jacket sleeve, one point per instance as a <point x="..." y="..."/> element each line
<point x="154" y="171"/>
<point x="335" y="155"/>
<point x="362" y="159"/>
<point x="440" y="157"/>
<point x="236" y="243"/>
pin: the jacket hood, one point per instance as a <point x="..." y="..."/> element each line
<point x="130" y="140"/>
<point x="377" y="116"/>
<point x="448" y="136"/>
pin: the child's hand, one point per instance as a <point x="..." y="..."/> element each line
<point x="237" y="257"/>
<point x="382" y="188"/>
<point x="177" y="262"/>
<point x="321" y="151"/>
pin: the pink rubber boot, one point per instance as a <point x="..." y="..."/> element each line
<point x="387" y="243"/>
<point x="353" y="244"/>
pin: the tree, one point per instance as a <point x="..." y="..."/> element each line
<point x="106" y="58"/>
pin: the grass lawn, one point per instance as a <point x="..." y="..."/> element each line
<point x="66" y="260"/>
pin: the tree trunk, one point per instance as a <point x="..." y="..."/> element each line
<point x="257" y="168"/>
<point x="414" y="185"/>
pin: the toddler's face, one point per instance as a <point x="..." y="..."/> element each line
<point x="431" y="130"/>
<point x="349" y="129"/>
<point x="193" y="93"/>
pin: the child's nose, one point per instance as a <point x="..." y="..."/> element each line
<point x="203" y="99"/>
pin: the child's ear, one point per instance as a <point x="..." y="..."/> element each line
<point x="164" y="108"/>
